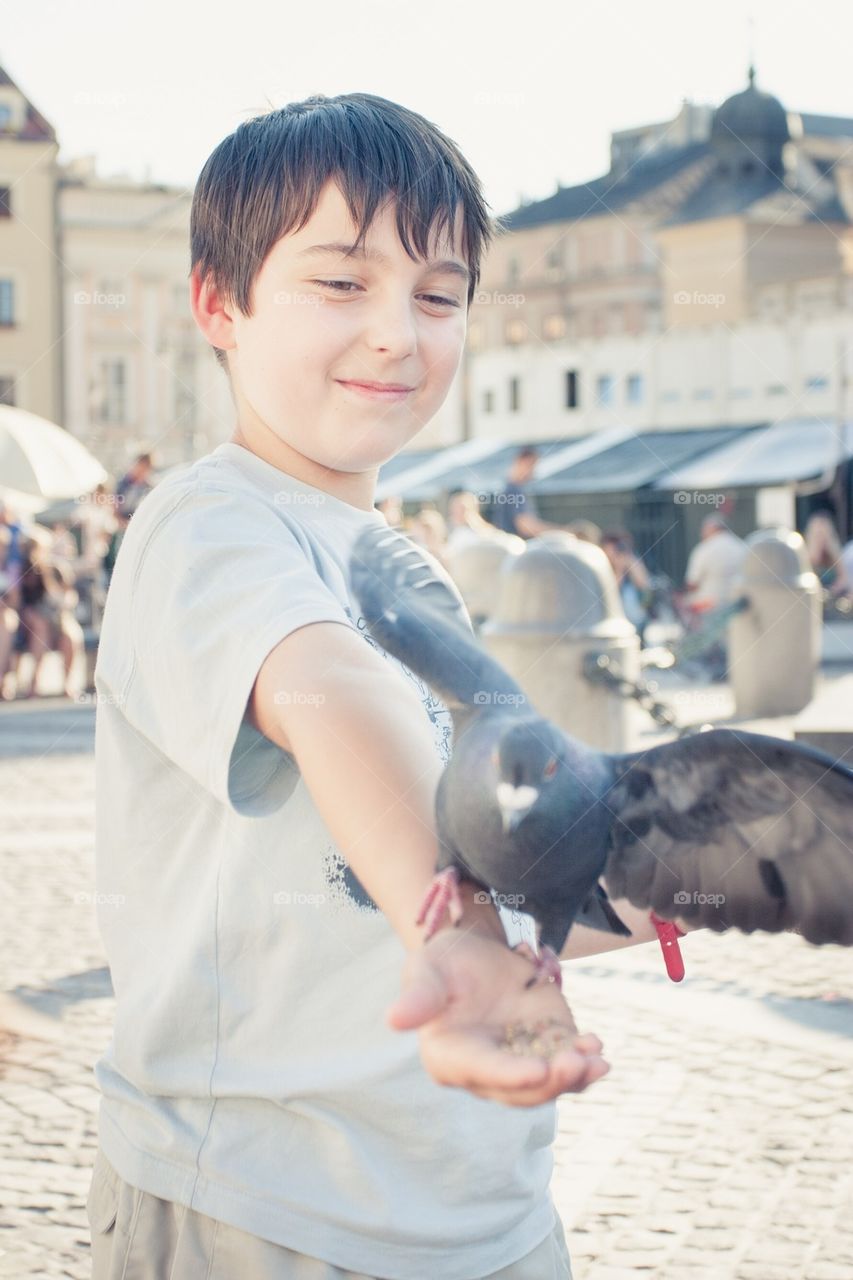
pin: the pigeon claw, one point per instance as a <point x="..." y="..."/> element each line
<point x="546" y="965"/>
<point x="441" y="897"/>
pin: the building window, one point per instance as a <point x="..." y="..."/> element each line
<point x="554" y="327"/>
<point x="740" y="393"/>
<point x="5" y="202"/>
<point x="777" y="389"/>
<point x="7" y="390"/>
<point x="514" y="394"/>
<point x="670" y="397"/>
<point x="634" y="388"/>
<point x="114" y="391"/>
<point x="488" y="402"/>
<point x="515" y="332"/>
<point x="512" y="269"/>
<point x="703" y="393"/>
<point x="604" y="388"/>
<point x="7" y="303"/>
<point x="554" y="259"/>
<point x="571" y="388"/>
<point x="818" y="383"/>
<point x="5" y="116"/>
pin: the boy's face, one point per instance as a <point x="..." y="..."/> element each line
<point x="394" y="321"/>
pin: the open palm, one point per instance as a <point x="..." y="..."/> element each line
<point x="461" y="990"/>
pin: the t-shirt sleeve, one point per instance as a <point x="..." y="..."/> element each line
<point x="220" y="581"/>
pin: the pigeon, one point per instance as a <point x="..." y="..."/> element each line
<point x="723" y="829"/>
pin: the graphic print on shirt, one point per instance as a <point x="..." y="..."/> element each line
<point x="344" y="885"/>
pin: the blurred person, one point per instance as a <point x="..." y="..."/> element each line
<point x="121" y="519"/>
<point x="826" y="557"/>
<point x="392" y="510"/>
<point x="15" y="531"/>
<point x="631" y="575"/>
<point x="9" y="618"/>
<point x="466" y="523"/>
<point x="135" y="483"/>
<point x="47" y="603"/>
<point x="515" y="509"/>
<point x="429" y="530"/>
<point x="847" y="560"/>
<point x="713" y="565"/>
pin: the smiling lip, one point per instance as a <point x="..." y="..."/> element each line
<point x="380" y="390"/>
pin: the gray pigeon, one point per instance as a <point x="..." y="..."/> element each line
<point x="725" y="829"/>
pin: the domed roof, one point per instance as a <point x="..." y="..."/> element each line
<point x="751" y="114"/>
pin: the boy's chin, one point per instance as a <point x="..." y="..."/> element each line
<point x="368" y="456"/>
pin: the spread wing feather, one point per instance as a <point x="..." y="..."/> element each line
<point x="734" y="829"/>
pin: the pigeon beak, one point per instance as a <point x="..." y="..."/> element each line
<point x="514" y="803"/>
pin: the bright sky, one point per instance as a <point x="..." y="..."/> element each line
<point x="530" y="97"/>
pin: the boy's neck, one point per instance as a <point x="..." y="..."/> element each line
<point x="354" y="487"/>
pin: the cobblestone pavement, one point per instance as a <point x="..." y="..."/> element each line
<point x="720" y="1147"/>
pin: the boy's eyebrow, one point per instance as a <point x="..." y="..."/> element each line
<point x="347" y="250"/>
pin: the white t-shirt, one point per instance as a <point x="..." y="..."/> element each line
<point x="713" y="567"/>
<point x="251" y="1075"/>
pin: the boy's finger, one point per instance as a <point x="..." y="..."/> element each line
<point x="467" y="1061"/>
<point x="567" y="1077"/>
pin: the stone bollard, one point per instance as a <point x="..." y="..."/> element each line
<point x="474" y="566"/>
<point x="774" y="645"/>
<point x="558" y="602"/>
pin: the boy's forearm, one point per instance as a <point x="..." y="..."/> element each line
<point x="367" y="756"/>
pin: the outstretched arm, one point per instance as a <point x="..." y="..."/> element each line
<point x="364" y="747"/>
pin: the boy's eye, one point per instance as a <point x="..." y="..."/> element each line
<point x="344" y="286"/>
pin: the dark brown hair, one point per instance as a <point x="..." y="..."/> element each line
<point x="264" y="180"/>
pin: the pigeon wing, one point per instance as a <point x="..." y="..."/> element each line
<point x="416" y="617"/>
<point x="730" y="829"/>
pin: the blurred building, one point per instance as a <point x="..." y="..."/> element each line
<point x="30" y="322"/>
<point x="706" y="279"/>
<point x="138" y="373"/>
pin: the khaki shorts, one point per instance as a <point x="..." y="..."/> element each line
<point x="137" y="1236"/>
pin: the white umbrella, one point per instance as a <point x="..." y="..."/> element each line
<point x="39" y="458"/>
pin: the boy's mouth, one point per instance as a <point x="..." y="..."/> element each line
<point x="379" y="390"/>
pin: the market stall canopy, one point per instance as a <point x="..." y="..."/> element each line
<point x="480" y="465"/>
<point x="626" y="460"/>
<point x="777" y="453"/>
<point x="39" y="458"/>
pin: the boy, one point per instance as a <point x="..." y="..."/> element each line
<point x="266" y="776"/>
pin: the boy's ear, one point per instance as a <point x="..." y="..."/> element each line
<point x="212" y="311"/>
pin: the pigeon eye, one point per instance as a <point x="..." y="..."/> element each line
<point x="550" y="768"/>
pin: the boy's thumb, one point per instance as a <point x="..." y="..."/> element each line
<point x="423" y="997"/>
